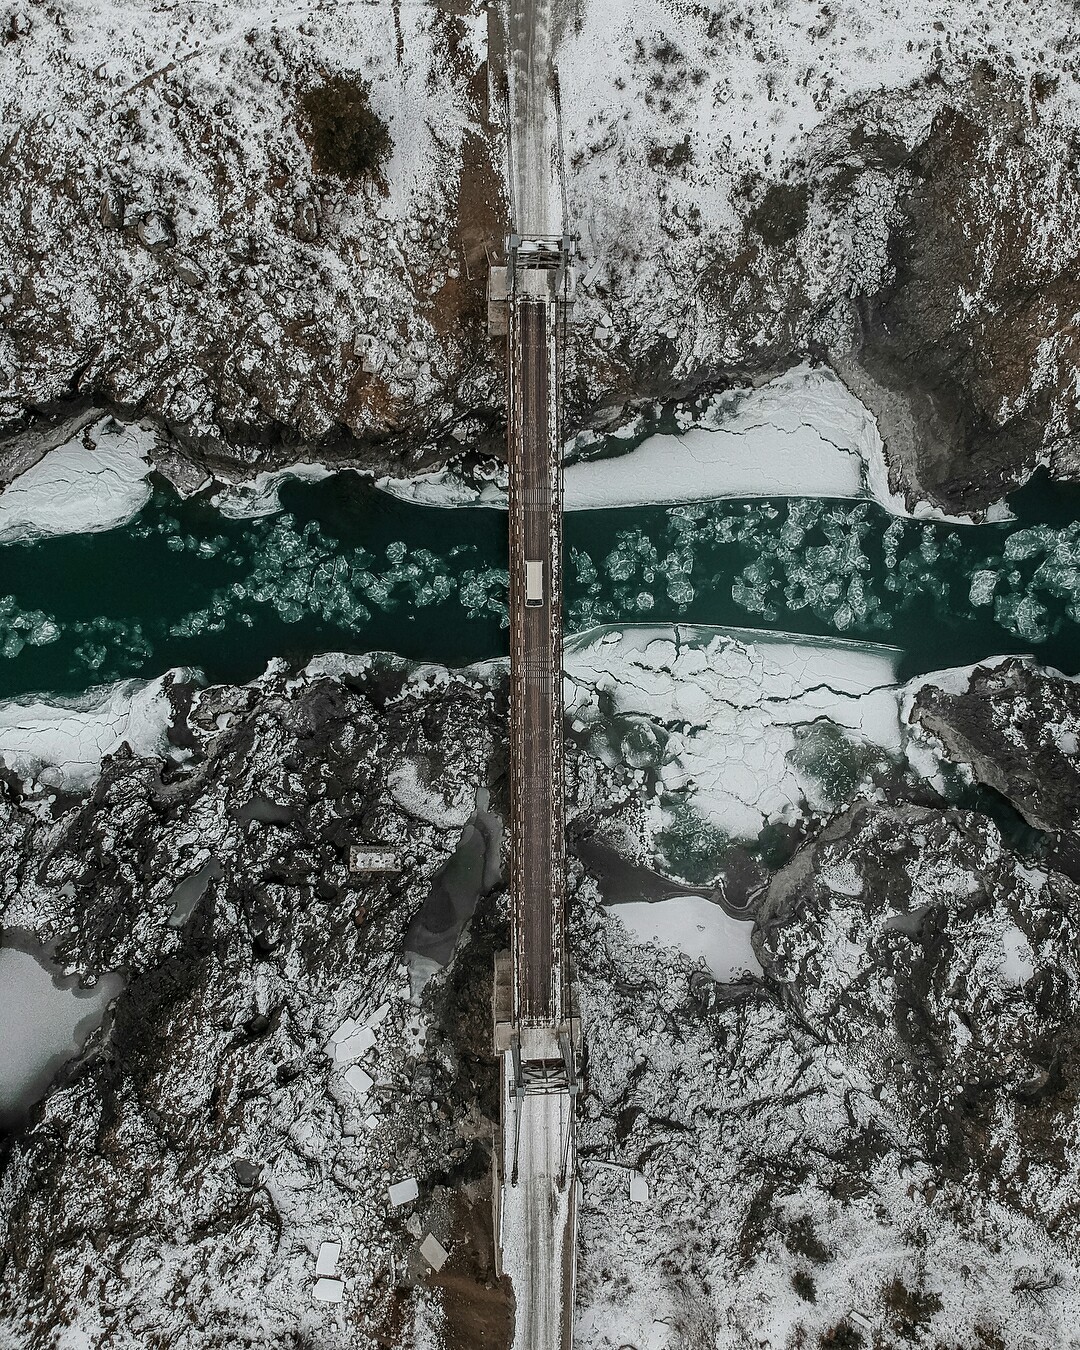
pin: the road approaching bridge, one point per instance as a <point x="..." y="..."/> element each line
<point x="536" y="1032"/>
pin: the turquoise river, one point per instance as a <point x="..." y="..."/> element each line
<point x="345" y="567"/>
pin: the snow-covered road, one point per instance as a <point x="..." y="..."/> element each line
<point x="538" y="1228"/>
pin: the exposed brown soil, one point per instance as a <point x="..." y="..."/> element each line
<point x="479" y="1307"/>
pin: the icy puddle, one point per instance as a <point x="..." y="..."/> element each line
<point x="343" y="566"/>
<point x="46" y="1020"/>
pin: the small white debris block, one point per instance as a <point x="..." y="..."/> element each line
<point x="433" y="1252"/>
<point x="639" y="1189"/>
<point x="328" y="1291"/>
<point x="355" y="1046"/>
<point x="373" y="859"/>
<point x="358" y="1080"/>
<point x="326" y="1264"/>
<point x="354" y="1038"/>
<point x="402" y="1192"/>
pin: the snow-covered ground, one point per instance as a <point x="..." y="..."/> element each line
<point x="673" y="137"/>
<point x="95" y="481"/>
<point x="186" y="257"/>
<point x="771" y="1219"/>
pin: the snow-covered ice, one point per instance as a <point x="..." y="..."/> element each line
<point x="44" y="1023"/>
<point x="697" y="927"/>
<point x="96" y="481"/>
<point x="259" y="497"/>
<point x="801" y="435"/>
<point x="60" y="742"/>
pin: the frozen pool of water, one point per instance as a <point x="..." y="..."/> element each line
<point x="46" y="1020"/>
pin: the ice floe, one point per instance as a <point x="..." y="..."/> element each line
<point x="96" y="481"/>
<point x="60" y="742"/>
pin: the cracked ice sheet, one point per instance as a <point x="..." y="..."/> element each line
<point x="727" y="705"/>
<point x="801" y="435"/>
<point x="61" y="742"/>
<point x="96" y="481"/>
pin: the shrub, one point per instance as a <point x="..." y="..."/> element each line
<point x="345" y="136"/>
<point x="804" y="1286"/>
<point x="672" y="157"/>
<point x="843" y="1336"/>
<point x="909" y="1309"/>
<point x="801" y="1238"/>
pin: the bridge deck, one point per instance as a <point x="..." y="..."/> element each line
<point x="536" y="662"/>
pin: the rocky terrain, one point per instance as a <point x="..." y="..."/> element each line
<point x="871" y="1143"/>
<point x="870" y="1139"/>
<point x="888" y="190"/>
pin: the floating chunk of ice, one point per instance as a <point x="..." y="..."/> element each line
<point x="983" y="585"/>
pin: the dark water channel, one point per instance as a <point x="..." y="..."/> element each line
<point x="346" y="567"/>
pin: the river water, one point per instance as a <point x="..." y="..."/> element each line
<point x="344" y="566"/>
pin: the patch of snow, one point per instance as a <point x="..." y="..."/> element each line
<point x="96" y="481"/>
<point x="441" y="488"/>
<point x="404" y="783"/>
<point x="1018" y="963"/>
<point x="1066" y="742"/>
